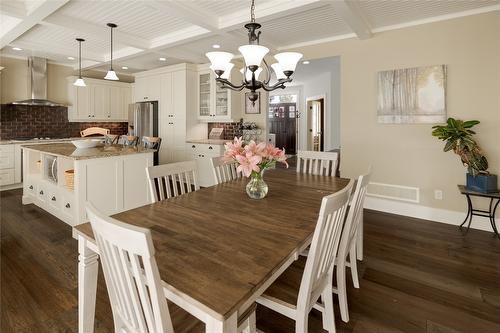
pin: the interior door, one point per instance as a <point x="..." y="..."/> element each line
<point x="315" y="125"/>
<point x="283" y="123"/>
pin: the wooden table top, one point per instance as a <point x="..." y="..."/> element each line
<point x="219" y="246"/>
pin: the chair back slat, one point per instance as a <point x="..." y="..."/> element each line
<point x="224" y="171"/>
<point x="353" y="217"/>
<point x="151" y="142"/>
<point x="131" y="274"/>
<point x="324" y="245"/>
<point x="317" y="162"/>
<point x="129" y="140"/>
<point x="170" y="180"/>
<point x="94" y="131"/>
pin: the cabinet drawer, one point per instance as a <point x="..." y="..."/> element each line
<point x="30" y="187"/>
<point x="54" y="199"/>
<point x="7" y="157"/>
<point x="41" y="192"/>
<point x="212" y="149"/>
<point x="68" y="206"/>
<point x="7" y="177"/>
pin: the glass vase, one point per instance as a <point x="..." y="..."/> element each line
<point x="257" y="187"/>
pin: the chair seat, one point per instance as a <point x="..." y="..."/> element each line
<point x="183" y="322"/>
<point x="285" y="290"/>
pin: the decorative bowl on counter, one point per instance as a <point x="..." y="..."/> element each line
<point x="86" y="143"/>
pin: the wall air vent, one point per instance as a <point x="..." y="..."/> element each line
<point x="394" y="192"/>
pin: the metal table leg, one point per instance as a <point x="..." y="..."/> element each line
<point x="492" y="217"/>
<point x="469" y="211"/>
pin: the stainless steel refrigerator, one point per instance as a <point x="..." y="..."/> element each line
<point x="143" y="121"/>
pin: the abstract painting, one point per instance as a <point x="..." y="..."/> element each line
<point x="412" y="95"/>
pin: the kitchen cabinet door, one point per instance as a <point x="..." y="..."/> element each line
<point x="119" y="101"/>
<point x="101" y="101"/>
<point x="204" y="96"/>
<point x="83" y="103"/>
<point x="147" y="89"/>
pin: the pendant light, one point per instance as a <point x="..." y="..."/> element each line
<point x="111" y="75"/>
<point x="79" y="82"/>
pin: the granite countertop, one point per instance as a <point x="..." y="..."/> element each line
<point x="101" y="151"/>
<point x="209" y="141"/>
<point x="38" y="141"/>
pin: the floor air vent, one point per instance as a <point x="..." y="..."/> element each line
<point x="394" y="192"/>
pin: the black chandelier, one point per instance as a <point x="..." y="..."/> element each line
<point x="254" y="54"/>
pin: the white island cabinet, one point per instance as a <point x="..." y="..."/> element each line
<point x="112" y="177"/>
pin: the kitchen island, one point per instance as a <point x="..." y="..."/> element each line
<point x="60" y="178"/>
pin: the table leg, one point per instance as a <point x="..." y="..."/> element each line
<point x="87" y="286"/>
<point x="359" y="241"/>
<point x="492" y="217"/>
<point x="469" y="211"/>
<point x="230" y="325"/>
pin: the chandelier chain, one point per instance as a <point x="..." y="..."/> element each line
<point x="252" y="12"/>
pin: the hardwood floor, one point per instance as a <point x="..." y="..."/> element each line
<point x="417" y="276"/>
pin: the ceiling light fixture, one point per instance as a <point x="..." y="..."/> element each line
<point x="111" y="75"/>
<point x="163" y="59"/>
<point x="216" y="46"/>
<point x="79" y="82"/>
<point x="307" y="62"/>
<point x="17" y="49"/>
<point x="124" y="67"/>
<point x="253" y="53"/>
<point x="71" y="58"/>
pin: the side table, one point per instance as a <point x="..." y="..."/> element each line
<point x="490" y="213"/>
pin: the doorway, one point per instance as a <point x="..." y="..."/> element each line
<point x="315" y="123"/>
<point x="283" y="116"/>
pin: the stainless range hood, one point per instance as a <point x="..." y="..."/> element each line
<point x="38" y="73"/>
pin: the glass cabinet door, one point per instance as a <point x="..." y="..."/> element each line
<point x="205" y="95"/>
<point x="221" y="100"/>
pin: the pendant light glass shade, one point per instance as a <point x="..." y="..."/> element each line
<point x="219" y="60"/>
<point x="288" y="60"/>
<point x="79" y="82"/>
<point x="227" y="71"/>
<point x="278" y="71"/>
<point x="111" y="75"/>
<point x="253" y="54"/>
<point x="248" y="75"/>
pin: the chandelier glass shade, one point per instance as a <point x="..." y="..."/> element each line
<point x="255" y="63"/>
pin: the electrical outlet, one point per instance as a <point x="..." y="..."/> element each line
<point x="438" y="194"/>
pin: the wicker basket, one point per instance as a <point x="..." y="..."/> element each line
<point x="70" y="179"/>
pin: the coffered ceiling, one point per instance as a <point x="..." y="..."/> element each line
<point x="183" y="30"/>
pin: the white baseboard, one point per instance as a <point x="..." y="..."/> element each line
<point x="426" y="213"/>
<point x="10" y="187"/>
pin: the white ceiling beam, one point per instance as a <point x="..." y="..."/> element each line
<point x="353" y="16"/>
<point x="268" y="11"/>
<point x="58" y="50"/>
<point x="188" y="11"/>
<point x="33" y="18"/>
<point x="86" y="29"/>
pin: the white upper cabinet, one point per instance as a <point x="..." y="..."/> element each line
<point x="100" y="100"/>
<point x="216" y="104"/>
<point x="147" y="89"/>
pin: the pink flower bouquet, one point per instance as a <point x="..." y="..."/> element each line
<point x="253" y="158"/>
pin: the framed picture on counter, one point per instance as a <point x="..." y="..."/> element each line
<point x="249" y="107"/>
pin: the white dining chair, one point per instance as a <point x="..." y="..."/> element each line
<point x="173" y="179"/>
<point x="133" y="281"/>
<point x="299" y="288"/>
<point x="348" y="245"/>
<point x="224" y="172"/>
<point x="317" y="162"/>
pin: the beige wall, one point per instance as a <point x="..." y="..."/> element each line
<point x="408" y="154"/>
<point x="15" y="80"/>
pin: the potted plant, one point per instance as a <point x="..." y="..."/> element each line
<point x="459" y="138"/>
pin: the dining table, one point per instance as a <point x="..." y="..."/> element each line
<point x="218" y="250"/>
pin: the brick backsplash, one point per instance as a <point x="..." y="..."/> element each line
<point x="230" y="129"/>
<point x="46" y="121"/>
